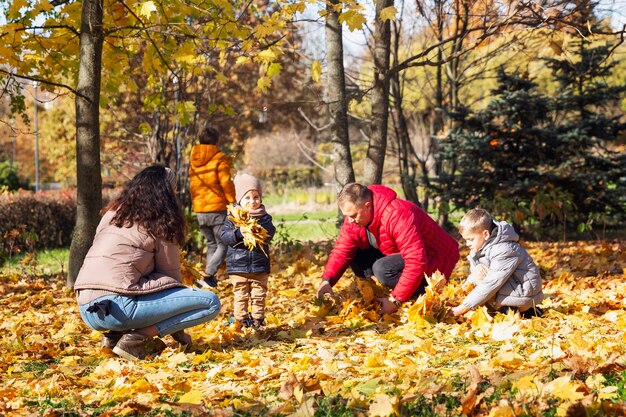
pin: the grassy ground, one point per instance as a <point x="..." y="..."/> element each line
<point x="42" y="263"/>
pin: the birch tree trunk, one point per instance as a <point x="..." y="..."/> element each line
<point x="88" y="176"/>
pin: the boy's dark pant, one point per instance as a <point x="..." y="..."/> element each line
<point x="386" y="269"/>
<point x="531" y="312"/>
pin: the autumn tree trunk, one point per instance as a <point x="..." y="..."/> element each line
<point x="336" y="98"/>
<point x="406" y="165"/>
<point x="377" y="146"/>
<point x="88" y="176"/>
<point x="438" y="122"/>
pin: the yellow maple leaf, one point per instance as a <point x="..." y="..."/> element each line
<point x="253" y="234"/>
<point x="242" y="60"/>
<point x="316" y="71"/>
<point x="191" y="397"/>
<point x="290" y="293"/>
<point x="430" y="306"/>
<point x="189" y="273"/>
<point x="502" y="411"/>
<point x="374" y="361"/>
<point x="366" y="290"/>
<point x="509" y="360"/>
<point x="480" y="318"/>
<point x="565" y="389"/>
<point x="383" y="406"/>
<point x="274" y="69"/>
<point x="388" y="13"/>
<point x="266" y="55"/>
<point x="15" y="8"/>
<point x="526" y="385"/>
<point x="263" y="83"/>
<point x="266" y="29"/>
<point x="354" y="19"/>
<point x="147" y="8"/>
<point x="504" y="330"/>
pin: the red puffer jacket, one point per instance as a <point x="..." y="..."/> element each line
<point x="399" y="227"/>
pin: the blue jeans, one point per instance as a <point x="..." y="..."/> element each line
<point x="169" y="310"/>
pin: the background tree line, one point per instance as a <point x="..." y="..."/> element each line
<point x="453" y="99"/>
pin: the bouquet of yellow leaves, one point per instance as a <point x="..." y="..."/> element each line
<point x="253" y="234"/>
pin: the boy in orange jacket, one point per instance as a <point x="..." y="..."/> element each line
<point x="211" y="191"/>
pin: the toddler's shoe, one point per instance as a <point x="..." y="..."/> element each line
<point x="208" y="281"/>
<point x="258" y="323"/>
<point x="247" y="321"/>
<point x="532" y="312"/>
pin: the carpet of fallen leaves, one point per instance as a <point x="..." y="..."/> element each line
<point x="339" y="357"/>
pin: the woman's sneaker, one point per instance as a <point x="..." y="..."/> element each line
<point x="532" y="312"/>
<point x="182" y="337"/>
<point x="110" y="338"/>
<point x="135" y="346"/>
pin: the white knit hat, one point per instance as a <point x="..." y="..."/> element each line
<point x="245" y="183"/>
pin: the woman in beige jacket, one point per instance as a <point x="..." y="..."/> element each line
<point x="130" y="283"/>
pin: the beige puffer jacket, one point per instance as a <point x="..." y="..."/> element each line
<point x="127" y="261"/>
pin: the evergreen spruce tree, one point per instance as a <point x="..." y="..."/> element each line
<point x="531" y="157"/>
<point x="590" y="114"/>
<point x="504" y="154"/>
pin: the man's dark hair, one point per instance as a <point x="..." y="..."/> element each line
<point x="209" y="136"/>
<point x="354" y="193"/>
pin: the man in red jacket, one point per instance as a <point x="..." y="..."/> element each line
<point x="390" y="238"/>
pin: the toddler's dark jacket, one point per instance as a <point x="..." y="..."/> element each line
<point x="239" y="259"/>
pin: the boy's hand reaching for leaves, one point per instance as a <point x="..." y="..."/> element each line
<point x="459" y="310"/>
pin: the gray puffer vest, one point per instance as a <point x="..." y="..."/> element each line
<point x="513" y="278"/>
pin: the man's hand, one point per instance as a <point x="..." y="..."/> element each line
<point x="459" y="310"/>
<point x="387" y="306"/>
<point x="325" y="288"/>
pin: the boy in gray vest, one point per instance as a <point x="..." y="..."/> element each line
<point x="502" y="273"/>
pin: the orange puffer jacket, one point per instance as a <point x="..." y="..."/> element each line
<point x="209" y="179"/>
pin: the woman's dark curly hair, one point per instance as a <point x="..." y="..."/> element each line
<point x="149" y="201"/>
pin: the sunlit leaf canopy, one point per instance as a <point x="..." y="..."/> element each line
<point x="159" y="40"/>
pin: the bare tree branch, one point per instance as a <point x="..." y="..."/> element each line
<point x="39" y="80"/>
<point x="318" y="129"/>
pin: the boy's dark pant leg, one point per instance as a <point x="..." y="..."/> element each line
<point x="531" y="312"/>
<point x="364" y="260"/>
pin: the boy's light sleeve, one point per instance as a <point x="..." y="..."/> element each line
<point x="500" y="271"/>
